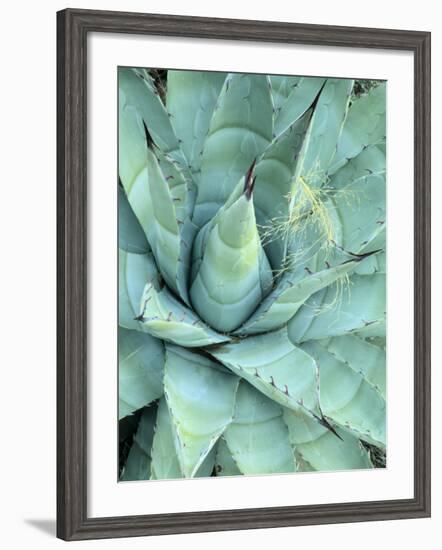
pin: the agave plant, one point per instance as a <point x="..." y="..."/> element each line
<point x="251" y="274"/>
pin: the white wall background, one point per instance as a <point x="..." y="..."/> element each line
<point x="27" y="223"/>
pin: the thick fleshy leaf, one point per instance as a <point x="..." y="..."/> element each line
<point x="371" y="160"/>
<point x="225" y="464"/>
<point x="362" y="356"/>
<point x="358" y="197"/>
<point x="240" y="130"/>
<point x="139" y="100"/>
<point x="207" y="468"/>
<point x="140" y="370"/>
<point x="131" y="237"/>
<point x="234" y="274"/>
<point x="339" y="310"/>
<point x="375" y="263"/>
<point x="258" y="437"/>
<point x="153" y="203"/>
<point x="321" y="448"/>
<point x="191" y="99"/>
<point x="157" y="180"/>
<point x="134" y="272"/>
<point x="163" y="316"/>
<point x="289" y="295"/>
<point x="323" y="132"/>
<point x="276" y="367"/>
<point x="281" y="88"/>
<point x="201" y="400"/>
<point x="274" y="172"/>
<point x="165" y="464"/>
<point x="138" y="461"/>
<point x="348" y="399"/>
<point x="301" y="97"/>
<point x="365" y="125"/>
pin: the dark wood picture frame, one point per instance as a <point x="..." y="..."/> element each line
<point x="73" y="27"/>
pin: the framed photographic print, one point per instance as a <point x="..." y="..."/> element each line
<point x="243" y="274"/>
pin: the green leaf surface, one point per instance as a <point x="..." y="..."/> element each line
<point x="321" y="448"/>
<point x="191" y="99"/>
<point x="276" y="367"/>
<point x="358" y="200"/>
<point x="362" y="356"/>
<point x="131" y="237"/>
<point x="375" y="263"/>
<point x="281" y="88"/>
<point x="274" y="172"/>
<point x="138" y="463"/>
<point x="365" y="125"/>
<point x="134" y="272"/>
<point x="240" y="130"/>
<point x="140" y="370"/>
<point x="153" y="203"/>
<point x="165" y="463"/>
<point x="323" y="132"/>
<point x="258" y="437"/>
<point x="139" y="99"/>
<point x="336" y="311"/>
<point x="225" y="464"/>
<point x="164" y="317"/>
<point x="290" y="294"/>
<point x="301" y="97"/>
<point x="348" y="399"/>
<point x="234" y="274"/>
<point x="201" y="401"/>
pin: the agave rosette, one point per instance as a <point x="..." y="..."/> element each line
<point x="251" y="274"/>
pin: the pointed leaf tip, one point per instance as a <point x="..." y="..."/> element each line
<point x="249" y="182"/>
<point x="149" y="139"/>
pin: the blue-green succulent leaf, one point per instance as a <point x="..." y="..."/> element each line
<point x="234" y="274"/>
<point x="323" y="132"/>
<point x="134" y="272"/>
<point x="156" y="179"/>
<point x="240" y="130"/>
<point x="281" y="88"/>
<point x="358" y="197"/>
<point x="276" y="367"/>
<point x="348" y="399"/>
<point x="274" y="172"/>
<point x="258" y="438"/>
<point x="342" y="309"/>
<point x="139" y="99"/>
<point x="191" y="99"/>
<point x="138" y="461"/>
<point x="362" y="356"/>
<point x="225" y="464"/>
<point x="371" y="160"/>
<point x="365" y="125"/>
<point x="140" y="370"/>
<point x="321" y="448"/>
<point x="163" y="316"/>
<point x="201" y="400"/>
<point x="165" y="463"/>
<point x="291" y="292"/>
<point x="154" y="205"/>
<point x="130" y="233"/>
<point x="375" y="263"/>
<point x="301" y="97"/>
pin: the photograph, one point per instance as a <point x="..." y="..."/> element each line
<point x="252" y="265"/>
